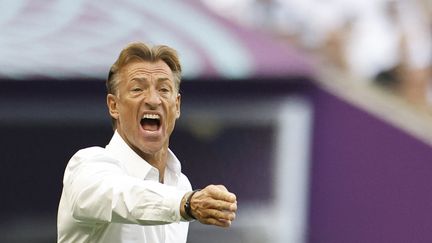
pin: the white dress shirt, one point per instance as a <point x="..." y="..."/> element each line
<point x="112" y="195"/>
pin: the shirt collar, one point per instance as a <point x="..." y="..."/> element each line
<point x="134" y="164"/>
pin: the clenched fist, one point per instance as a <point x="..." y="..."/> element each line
<point x="213" y="205"/>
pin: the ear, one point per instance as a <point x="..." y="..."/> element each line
<point x="178" y="103"/>
<point x="113" y="106"/>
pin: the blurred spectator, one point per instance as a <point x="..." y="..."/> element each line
<point x="387" y="41"/>
<point x="392" y="44"/>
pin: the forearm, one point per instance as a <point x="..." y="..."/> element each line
<point x="109" y="196"/>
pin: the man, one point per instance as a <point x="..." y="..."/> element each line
<point x="133" y="189"/>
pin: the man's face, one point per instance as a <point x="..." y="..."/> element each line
<point x="146" y="106"/>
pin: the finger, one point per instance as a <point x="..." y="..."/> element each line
<point x="233" y="207"/>
<point x="219" y="215"/>
<point x="226" y="206"/>
<point x="225" y="222"/>
<point x="210" y="203"/>
<point x="223" y="195"/>
<point x="222" y="188"/>
<point x="220" y="223"/>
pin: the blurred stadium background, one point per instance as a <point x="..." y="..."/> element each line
<point x="316" y="113"/>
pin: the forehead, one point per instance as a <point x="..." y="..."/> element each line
<point x="146" y="68"/>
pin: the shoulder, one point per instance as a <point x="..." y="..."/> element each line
<point x="90" y="151"/>
<point x="91" y="155"/>
<point x="90" y="161"/>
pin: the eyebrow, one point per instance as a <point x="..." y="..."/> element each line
<point x="139" y="79"/>
<point x="163" y="79"/>
<point x="144" y="79"/>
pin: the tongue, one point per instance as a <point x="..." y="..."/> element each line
<point x="150" y="125"/>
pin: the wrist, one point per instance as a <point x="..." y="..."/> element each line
<point x="186" y="208"/>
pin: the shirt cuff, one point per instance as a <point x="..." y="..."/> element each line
<point x="177" y="198"/>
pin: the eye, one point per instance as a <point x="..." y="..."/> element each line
<point x="164" y="90"/>
<point x="136" y="89"/>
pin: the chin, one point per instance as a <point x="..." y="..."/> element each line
<point x="151" y="148"/>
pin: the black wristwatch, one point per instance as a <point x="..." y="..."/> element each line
<point x="187" y="205"/>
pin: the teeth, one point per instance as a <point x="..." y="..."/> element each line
<point x="151" y="116"/>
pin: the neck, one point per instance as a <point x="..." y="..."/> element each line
<point x="158" y="160"/>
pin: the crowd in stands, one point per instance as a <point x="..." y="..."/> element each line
<point x="382" y="42"/>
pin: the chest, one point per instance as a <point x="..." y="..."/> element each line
<point x="130" y="233"/>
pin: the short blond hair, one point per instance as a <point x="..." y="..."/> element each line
<point x="138" y="51"/>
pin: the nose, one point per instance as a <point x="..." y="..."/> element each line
<point x="153" y="99"/>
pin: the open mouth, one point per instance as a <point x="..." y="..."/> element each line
<point x="150" y="122"/>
